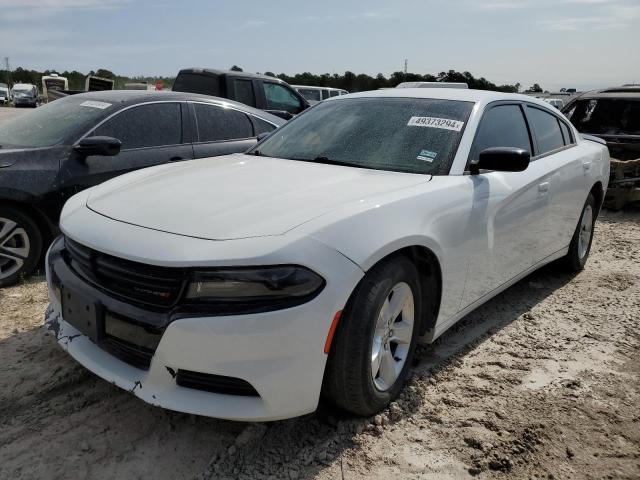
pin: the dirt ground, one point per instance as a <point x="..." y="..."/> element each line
<point x="541" y="382"/>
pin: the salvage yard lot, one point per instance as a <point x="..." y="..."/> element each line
<point x="541" y="382"/>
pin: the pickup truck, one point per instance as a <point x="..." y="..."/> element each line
<point x="259" y="91"/>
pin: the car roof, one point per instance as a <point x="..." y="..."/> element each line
<point x="233" y="73"/>
<point x="621" y="92"/>
<point x="132" y="97"/>
<point x="463" y="95"/>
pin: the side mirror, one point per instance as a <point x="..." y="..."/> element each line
<point x="501" y="159"/>
<point x="105" y="146"/>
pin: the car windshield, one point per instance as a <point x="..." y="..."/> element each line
<point x="54" y="123"/>
<point x="606" y="116"/>
<point x="413" y="135"/>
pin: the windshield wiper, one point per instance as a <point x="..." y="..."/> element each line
<point x="329" y="161"/>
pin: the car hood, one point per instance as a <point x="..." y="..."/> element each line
<point x="238" y="196"/>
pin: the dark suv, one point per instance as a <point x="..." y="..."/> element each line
<point x="613" y="115"/>
<point x="260" y="91"/>
<point x="76" y="142"/>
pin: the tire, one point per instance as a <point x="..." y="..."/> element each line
<point x="20" y="245"/>
<point x="580" y="245"/>
<point x="364" y="329"/>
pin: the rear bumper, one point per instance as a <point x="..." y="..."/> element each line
<point x="280" y="353"/>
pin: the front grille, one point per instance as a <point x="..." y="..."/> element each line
<point x="134" y="355"/>
<point x="145" y="284"/>
<point x="215" y="383"/>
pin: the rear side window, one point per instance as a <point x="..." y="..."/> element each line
<point x="262" y="126"/>
<point x="217" y="123"/>
<point x="280" y="98"/>
<point x="310" y="94"/>
<point x="566" y="133"/>
<point x="197" y="83"/>
<point x="325" y="94"/>
<point x="502" y="126"/>
<point x="151" y="125"/>
<point x="244" y="92"/>
<point x="547" y="130"/>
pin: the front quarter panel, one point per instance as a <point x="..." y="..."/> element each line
<point x="435" y="215"/>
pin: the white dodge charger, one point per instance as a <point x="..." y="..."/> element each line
<point x="250" y="286"/>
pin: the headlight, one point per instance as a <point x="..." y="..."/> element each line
<point x="250" y="288"/>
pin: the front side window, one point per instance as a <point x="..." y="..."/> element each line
<point x="502" y="126"/>
<point x="398" y="134"/>
<point x="150" y="125"/>
<point x="547" y="130"/>
<point x="219" y="123"/>
<point x="325" y="94"/>
<point x="280" y="98"/>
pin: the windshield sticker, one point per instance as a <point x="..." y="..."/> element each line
<point x="94" y="104"/>
<point x="434" y="122"/>
<point x="426" y="156"/>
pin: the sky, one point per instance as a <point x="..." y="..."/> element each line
<point x="556" y="43"/>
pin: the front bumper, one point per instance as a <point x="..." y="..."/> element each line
<point x="279" y="353"/>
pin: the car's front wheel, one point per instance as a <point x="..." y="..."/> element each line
<point x="375" y="340"/>
<point x="20" y="245"/>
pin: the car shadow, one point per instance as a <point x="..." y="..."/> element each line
<point x="49" y="403"/>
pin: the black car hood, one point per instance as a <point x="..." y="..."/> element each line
<point x="10" y="156"/>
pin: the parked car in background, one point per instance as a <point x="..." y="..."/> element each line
<point x="4" y="93"/>
<point x="259" y="91"/>
<point x="24" y="95"/>
<point x="433" y="85"/>
<point x="613" y="114"/>
<point x="251" y="286"/>
<point x="556" y="102"/>
<point x="314" y="95"/>
<point x="81" y="140"/>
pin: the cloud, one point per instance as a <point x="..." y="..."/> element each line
<point x="507" y="5"/>
<point x="17" y="10"/>
<point x="253" y="23"/>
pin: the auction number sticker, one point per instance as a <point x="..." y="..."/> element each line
<point x="94" y="104"/>
<point x="434" y="122"/>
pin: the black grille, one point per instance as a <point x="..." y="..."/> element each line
<point x="146" y="284"/>
<point x="134" y="355"/>
<point x="215" y="383"/>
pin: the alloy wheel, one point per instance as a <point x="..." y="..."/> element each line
<point x="586" y="230"/>
<point x="14" y="247"/>
<point x="392" y="336"/>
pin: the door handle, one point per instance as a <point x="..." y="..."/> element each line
<point x="175" y="159"/>
<point x="586" y="166"/>
<point x="543" y="187"/>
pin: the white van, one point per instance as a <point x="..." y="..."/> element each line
<point x="317" y="94"/>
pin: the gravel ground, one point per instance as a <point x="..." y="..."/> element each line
<point x="541" y="382"/>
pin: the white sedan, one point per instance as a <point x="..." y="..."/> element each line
<point x="250" y="286"/>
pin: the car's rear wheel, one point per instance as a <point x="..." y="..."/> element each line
<point x="20" y="245"/>
<point x="580" y="245"/>
<point x="375" y="340"/>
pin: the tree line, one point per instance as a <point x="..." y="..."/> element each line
<point x="348" y="81"/>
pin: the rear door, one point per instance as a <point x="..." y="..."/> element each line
<point x="509" y="208"/>
<point x="569" y="176"/>
<point x="221" y="130"/>
<point x="151" y="134"/>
